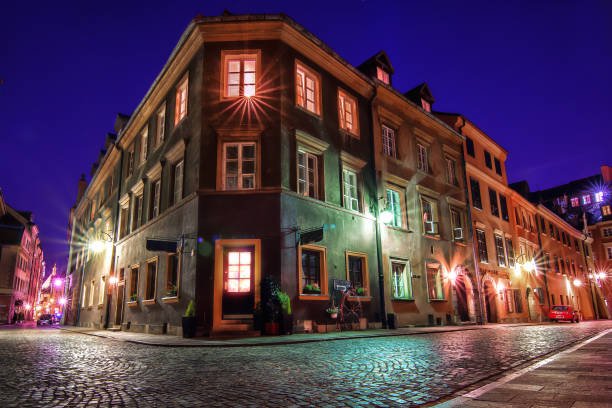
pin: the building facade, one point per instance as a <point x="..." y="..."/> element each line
<point x="21" y="264"/>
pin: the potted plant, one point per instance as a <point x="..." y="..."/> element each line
<point x="333" y="311"/>
<point x="171" y="291"/>
<point x="312" y="289"/>
<point x="287" y="316"/>
<point x="133" y="298"/>
<point x="189" y="321"/>
<point x="270" y="305"/>
<point x="360" y="291"/>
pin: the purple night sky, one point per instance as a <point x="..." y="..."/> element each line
<point x="534" y="75"/>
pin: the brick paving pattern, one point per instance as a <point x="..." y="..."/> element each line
<point x="48" y="367"/>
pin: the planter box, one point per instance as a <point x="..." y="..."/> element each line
<point x="189" y="327"/>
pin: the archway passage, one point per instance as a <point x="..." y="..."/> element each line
<point x="491" y="309"/>
<point x="462" y="299"/>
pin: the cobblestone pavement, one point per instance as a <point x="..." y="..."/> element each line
<point x="48" y="367"/>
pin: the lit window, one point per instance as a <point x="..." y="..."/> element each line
<point x="501" y="253"/>
<point x="382" y="75"/>
<point x="91" y="293"/>
<point x="599" y="197"/>
<point x="177" y="182"/>
<point x="307" y="174"/>
<point x="239" y="271"/>
<point x="349" y="190"/>
<point x="150" y="280"/>
<point x="401" y="279"/>
<point x="357" y="272"/>
<point x="172" y="275"/>
<point x="313" y="270"/>
<point x="457" y="225"/>
<point x="307" y="89"/>
<point x="161" y="126"/>
<point x="240" y="75"/>
<point x="144" y="141"/>
<point x="483" y="255"/>
<point x="347" y="110"/>
<point x="609" y="252"/>
<point x="425" y="105"/>
<point x="422" y="162"/>
<point x="435" y="285"/>
<point x="586" y="199"/>
<point x="181" y="101"/>
<point x="430" y="218"/>
<point x="388" y="140"/>
<point x="575" y="201"/>
<point x="605" y="210"/>
<point x="451" y="175"/>
<point x="510" y="252"/>
<point x="239" y="166"/>
<point x="394" y="205"/>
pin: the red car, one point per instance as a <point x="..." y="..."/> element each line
<point x="562" y="312"/>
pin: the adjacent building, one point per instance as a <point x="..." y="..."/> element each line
<point x="21" y="263"/>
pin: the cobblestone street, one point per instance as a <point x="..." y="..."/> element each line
<point x="49" y="367"/>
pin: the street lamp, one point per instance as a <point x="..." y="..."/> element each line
<point x="62" y="301"/>
<point x="577" y="282"/>
<point x="99" y="244"/>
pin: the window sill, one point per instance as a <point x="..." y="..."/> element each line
<point x="313" y="114"/>
<point x="400" y="229"/>
<point x="402" y="300"/>
<point x="132" y="304"/>
<point x="436" y="237"/>
<point x="149" y="302"/>
<point x="170" y="299"/>
<point x="460" y="243"/>
<point x="313" y="297"/>
<point x="100" y="305"/>
<point x="89" y="307"/>
<point x="360" y="298"/>
<point x="349" y="133"/>
<point x="436" y="300"/>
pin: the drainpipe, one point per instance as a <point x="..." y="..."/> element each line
<point x="470" y="229"/>
<point x="546" y="271"/>
<point x="115" y="235"/>
<point x="381" y="276"/>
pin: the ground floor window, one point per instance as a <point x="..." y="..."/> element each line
<point x="172" y="275"/>
<point x="134" y="285"/>
<point x="518" y="303"/>
<point x="435" y="284"/>
<point x="401" y="279"/>
<point x="150" y="280"/>
<point x="356" y="273"/>
<point x="509" y="301"/>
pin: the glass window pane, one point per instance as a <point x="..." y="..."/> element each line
<point x="233" y="79"/>
<point x="231" y="183"/>
<point x="248" y="152"/>
<point x="249" y="65"/>
<point x="248" y="167"/>
<point x="245" y="285"/>
<point x="248" y="182"/>
<point x="245" y="271"/>
<point x="233" y="90"/>
<point x="231" y="152"/>
<point x="245" y="258"/>
<point x="233" y="258"/>
<point x="249" y="90"/>
<point x="233" y="66"/>
<point x="249" y="78"/>
<point x="232" y="285"/>
<point x="231" y="168"/>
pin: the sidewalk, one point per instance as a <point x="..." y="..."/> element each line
<point x="176" y="341"/>
<point x="579" y="377"/>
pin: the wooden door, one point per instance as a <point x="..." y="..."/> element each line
<point x="238" y="283"/>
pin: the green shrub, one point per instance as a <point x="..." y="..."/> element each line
<point x="285" y="302"/>
<point x="190" y="312"/>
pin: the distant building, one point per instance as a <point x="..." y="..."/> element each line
<point x="51" y="299"/>
<point x="21" y="263"/>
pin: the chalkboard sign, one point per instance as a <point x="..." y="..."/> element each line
<point x="342" y="285"/>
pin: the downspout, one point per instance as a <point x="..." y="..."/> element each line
<point x="470" y="229"/>
<point x="546" y="271"/>
<point x="381" y="276"/>
<point x="115" y="235"/>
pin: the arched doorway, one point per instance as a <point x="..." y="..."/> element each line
<point x="464" y="299"/>
<point x="490" y="304"/>
<point x="531" y="306"/>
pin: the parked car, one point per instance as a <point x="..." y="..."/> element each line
<point x="563" y="312"/>
<point x="46" y="319"/>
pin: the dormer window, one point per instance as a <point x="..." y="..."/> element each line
<point x="425" y="105"/>
<point x="382" y="75"/>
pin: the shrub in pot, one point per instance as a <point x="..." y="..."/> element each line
<point x="287" y="316"/>
<point x="270" y="305"/>
<point x="189" y="321"/>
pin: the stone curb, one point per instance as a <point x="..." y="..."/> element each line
<point x="221" y="343"/>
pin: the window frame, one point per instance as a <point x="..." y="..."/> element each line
<point x="160" y="129"/>
<point x="407" y="279"/>
<point x="503" y="208"/>
<point x="144" y="144"/>
<point x="500" y="251"/>
<point x="434" y="214"/>
<point x="343" y="95"/>
<point x="422" y="158"/>
<point x="154" y="198"/>
<point x="475" y="193"/>
<point x="439" y="277"/>
<point x="348" y="204"/>
<point x="382" y="75"/>
<point x="494" y="203"/>
<point x="146" y="299"/>
<point x="469" y="146"/>
<point x="483" y="253"/>
<point x="509" y="251"/>
<point x="401" y="205"/>
<point x="102" y="290"/>
<point x="181" y="87"/>
<point x="169" y="257"/>
<point x="308" y="73"/>
<point x="498" y="169"/>
<point x="134" y="283"/>
<point x="454" y="227"/>
<point x="241" y="55"/>
<point x="179" y="163"/>
<point x="240" y="144"/>
<point x="307" y="183"/>
<point x="322" y="271"/>
<point x="364" y="271"/>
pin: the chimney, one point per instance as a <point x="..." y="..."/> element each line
<point x="82" y="187"/>
<point x="606" y="173"/>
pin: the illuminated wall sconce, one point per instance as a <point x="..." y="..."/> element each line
<point x="112" y="280"/>
<point x="577" y="282"/>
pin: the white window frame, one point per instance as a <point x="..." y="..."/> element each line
<point x="239" y="159"/>
<point x="305" y="190"/>
<point x="389" y="141"/>
<point x="422" y="158"/>
<point x="347" y="198"/>
<point x="349" y="121"/>
<point x="160" y="122"/>
<point x="245" y="89"/>
<point x="396" y="208"/>
<point x="430" y="227"/>
<point x="181" y="100"/>
<point x="458" y="232"/>
<point x="404" y="281"/>
<point x="303" y="74"/>
<point x="599" y="196"/>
